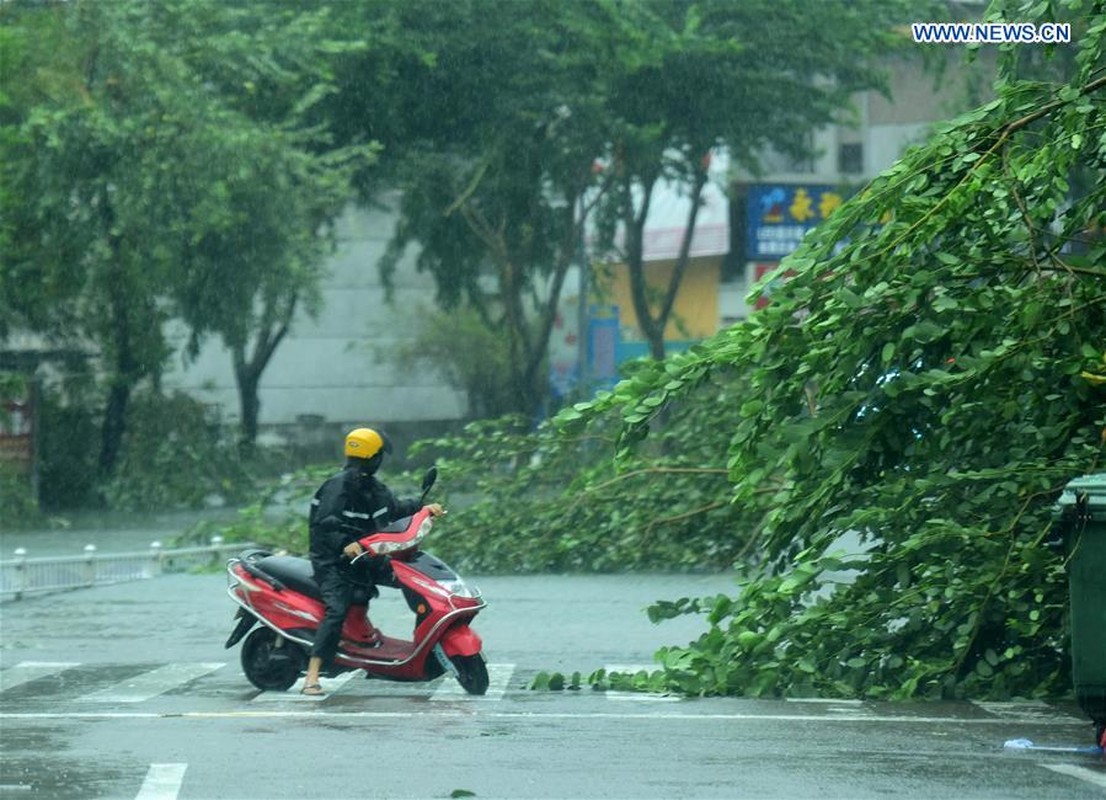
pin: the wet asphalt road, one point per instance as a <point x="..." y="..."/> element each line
<point x="126" y="692"/>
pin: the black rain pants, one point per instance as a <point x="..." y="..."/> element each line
<point x="337" y="594"/>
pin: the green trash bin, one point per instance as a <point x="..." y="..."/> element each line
<point x="1081" y="525"/>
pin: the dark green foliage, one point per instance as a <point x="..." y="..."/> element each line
<point x="544" y="502"/>
<point x="68" y="437"/>
<point x="175" y="456"/>
<point x="166" y="161"/>
<point x="17" y="499"/>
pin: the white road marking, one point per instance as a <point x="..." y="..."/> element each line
<point x="151" y="684"/>
<point x="1021" y="710"/>
<point x="641" y="697"/>
<point x="499" y="676"/>
<point x="163" y="782"/>
<point x="844" y="708"/>
<point x="331" y="686"/>
<point x="28" y="671"/>
<point x="1082" y="773"/>
<point x="458" y="710"/>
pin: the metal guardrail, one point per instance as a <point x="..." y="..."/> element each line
<point x="22" y="575"/>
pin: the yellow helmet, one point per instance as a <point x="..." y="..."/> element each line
<point x="366" y="443"/>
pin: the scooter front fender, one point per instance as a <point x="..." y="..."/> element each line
<point x="461" y="640"/>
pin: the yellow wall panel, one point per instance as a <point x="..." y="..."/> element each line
<point x="695" y="312"/>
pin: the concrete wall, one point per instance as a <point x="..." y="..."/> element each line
<point x="337" y="370"/>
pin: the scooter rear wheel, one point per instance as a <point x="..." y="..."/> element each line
<point x="271" y="665"/>
<point x="472" y="673"/>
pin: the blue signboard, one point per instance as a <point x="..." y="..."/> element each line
<point x="779" y="215"/>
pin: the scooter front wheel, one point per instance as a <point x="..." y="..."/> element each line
<point x="472" y="673"/>
<point x="270" y="662"/>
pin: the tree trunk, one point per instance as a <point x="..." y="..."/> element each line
<point x="653" y="326"/>
<point x="518" y="346"/>
<point x="634" y="223"/>
<point x="275" y="322"/>
<point x="126" y="366"/>
<point x="115" y="426"/>
<point x="249" y="403"/>
<point x="527" y="349"/>
<point x="540" y="346"/>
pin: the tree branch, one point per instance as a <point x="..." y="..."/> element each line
<point x="474" y="184"/>
<point x="693" y="513"/>
<point x="1048" y="108"/>
<point x="1003" y="135"/>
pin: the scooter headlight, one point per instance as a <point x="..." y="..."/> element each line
<point x="460" y="589"/>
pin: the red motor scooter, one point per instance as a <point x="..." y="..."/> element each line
<point x="280" y="592"/>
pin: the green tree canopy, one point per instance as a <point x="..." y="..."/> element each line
<point x="503" y="131"/>
<point x="500" y="152"/>
<point x="160" y="161"/>
<point x="927" y="388"/>
<point x="747" y="78"/>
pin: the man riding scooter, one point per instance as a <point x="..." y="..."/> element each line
<point x="346" y="507"/>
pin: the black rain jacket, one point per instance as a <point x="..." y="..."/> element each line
<point x="348" y="506"/>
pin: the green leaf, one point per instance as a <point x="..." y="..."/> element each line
<point x="750" y="408"/>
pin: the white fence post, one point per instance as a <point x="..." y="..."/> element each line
<point x="90" y="564"/>
<point x="155" y="559"/>
<point x="216" y="551"/>
<point x="20" y="572"/>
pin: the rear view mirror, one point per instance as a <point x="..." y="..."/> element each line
<point x="428" y="481"/>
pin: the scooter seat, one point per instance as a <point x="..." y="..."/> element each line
<point x="295" y="573"/>
<point x="298" y="574"/>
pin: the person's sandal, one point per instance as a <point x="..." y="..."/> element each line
<point x="312" y="690"/>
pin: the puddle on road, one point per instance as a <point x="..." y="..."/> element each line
<point x="35" y="764"/>
<point x="35" y="776"/>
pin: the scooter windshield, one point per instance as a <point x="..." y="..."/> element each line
<point x="399" y="526"/>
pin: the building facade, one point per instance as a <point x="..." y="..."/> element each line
<point x="345" y="367"/>
<point x="766" y="216"/>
